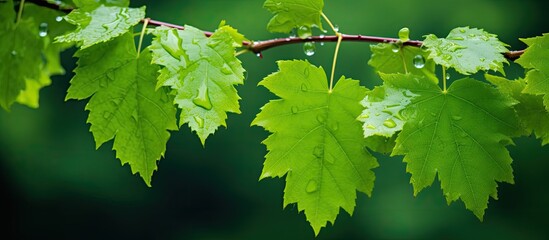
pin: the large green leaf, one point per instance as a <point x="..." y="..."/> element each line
<point x="202" y="72"/>
<point x="536" y="59"/>
<point x="124" y="104"/>
<point x="291" y="14"/>
<point x="532" y="114"/>
<point x="100" y="24"/>
<point x="316" y="141"/>
<point x="19" y="61"/>
<point x="460" y="135"/>
<point x="467" y="50"/>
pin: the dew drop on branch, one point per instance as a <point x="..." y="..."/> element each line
<point x="395" y="47"/>
<point x="304" y="32"/>
<point x="309" y="48"/>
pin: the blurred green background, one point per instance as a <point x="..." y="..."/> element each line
<point x="57" y="186"/>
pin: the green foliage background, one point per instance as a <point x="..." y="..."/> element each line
<point x="57" y="186"/>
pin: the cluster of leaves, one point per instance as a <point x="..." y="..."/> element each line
<point x="321" y="136"/>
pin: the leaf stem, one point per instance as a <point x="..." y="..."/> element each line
<point x="329" y="23"/>
<point x="145" y="23"/>
<point x="20" y="12"/>
<point x="444" y="79"/>
<point x="403" y="59"/>
<point x="335" y="61"/>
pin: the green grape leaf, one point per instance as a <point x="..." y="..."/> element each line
<point x="291" y="14"/>
<point x="124" y="104"/>
<point x="100" y="24"/>
<point x="467" y="50"/>
<point x="316" y="141"/>
<point x="536" y="58"/>
<point x="459" y="134"/>
<point x="51" y="24"/>
<point x="19" y="61"/>
<point x="532" y="114"/>
<point x="381" y="144"/>
<point x="382" y="113"/>
<point x="390" y="58"/>
<point x="203" y="73"/>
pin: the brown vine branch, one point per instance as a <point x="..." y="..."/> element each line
<point x="260" y="46"/>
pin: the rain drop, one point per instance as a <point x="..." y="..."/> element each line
<point x="58" y="18"/>
<point x="330" y="159"/>
<point x="319" y="151"/>
<point x="304" y="87"/>
<point x="309" y="48"/>
<point x="292" y="33"/>
<point x="462" y="30"/>
<point x="304" y="32"/>
<point x="334" y="126"/>
<point x="295" y="109"/>
<point x="103" y="82"/>
<point x="390" y="123"/>
<point x="199" y="121"/>
<point x="336" y="28"/>
<point x="306" y="72"/>
<point x="14" y="53"/>
<point x="447" y="57"/>
<point x="226" y="70"/>
<point x="395" y="48"/>
<point x="135" y="115"/>
<point x="456" y="117"/>
<point x="447" y="76"/>
<point x="418" y="61"/>
<point x="321" y="119"/>
<point x="364" y="116"/>
<point x="259" y="55"/>
<point x="312" y="186"/>
<point x="202" y="98"/>
<point x="482" y="59"/>
<point x="370" y="126"/>
<point x="107" y="115"/>
<point x="43" y="29"/>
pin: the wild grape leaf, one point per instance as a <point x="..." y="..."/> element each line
<point x="50" y="25"/>
<point x="467" y="50"/>
<point x="536" y="58"/>
<point x="389" y="58"/>
<point x="460" y="135"/>
<point x="124" y="104"/>
<point x="382" y="113"/>
<point x="100" y="24"/>
<point x="532" y="114"/>
<point x="291" y="14"/>
<point x="316" y="141"/>
<point x="19" y="61"/>
<point x="203" y="72"/>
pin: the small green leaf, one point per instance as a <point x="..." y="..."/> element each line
<point x="536" y="59"/>
<point x="406" y="60"/>
<point x="124" y="104"/>
<point x="382" y="114"/>
<point x="468" y="50"/>
<point x="460" y="135"/>
<point x="316" y="141"/>
<point x="203" y="72"/>
<point x="532" y="114"/>
<point x="100" y="24"/>
<point x="19" y="61"/>
<point x="292" y="14"/>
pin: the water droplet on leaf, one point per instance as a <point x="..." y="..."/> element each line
<point x="14" y="53"/>
<point x="390" y="123"/>
<point x="457" y="117"/>
<point x="199" y="121"/>
<point x="107" y="115"/>
<point x="312" y="186"/>
<point x="202" y="98"/>
<point x="104" y="82"/>
<point x="43" y="29"/>
<point x="59" y="18"/>
<point x="320" y="118"/>
<point x="226" y="70"/>
<point x="135" y="115"/>
<point x="395" y="48"/>
<point x="447" y="76"/>
<point x="319" y="151"/>
<point x="304" y="87"/>
<point x="462" y="30"/>
<point x="370" y="126"/>
<point x="295" y="109"/>
<point x="418" y="61"/>
<point x="334" y="126"/>
<point x="309" y="48"/>
<point x="482" y="59"/>
<point x="306" y="72"/>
